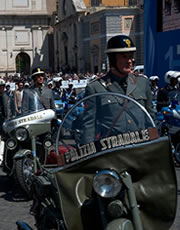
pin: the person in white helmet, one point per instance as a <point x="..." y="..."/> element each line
<point x="165" y="95"/>
<point x="58" y="90"/>
<point x="154" y="86"/>
<point x="50" y="85"/>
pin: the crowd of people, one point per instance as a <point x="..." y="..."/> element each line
<point x="15" y="91"/>
<point x="165" y="95"/>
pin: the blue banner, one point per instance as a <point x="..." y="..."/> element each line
<point x="161" y="41"/>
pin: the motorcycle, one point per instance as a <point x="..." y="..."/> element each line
<point x="63" y="105"/>
<point x="169" y="123"/>
<point x="117" y="177"/>
<point x="28" y="142"/>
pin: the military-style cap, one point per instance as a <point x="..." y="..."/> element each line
<point x="37" y="71"/>
<point x="120" y="43"/>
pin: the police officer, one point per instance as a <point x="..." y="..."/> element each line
<point x="120" y="79"/>
<point x="58" y="91"/>
<point x="44" y="93"/>
<point x="165" y="95"/>
<point x="154" y="86"/>
<point x="50" y="84"/>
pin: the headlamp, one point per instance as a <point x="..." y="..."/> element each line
<point x="166" y="112"/>
<point x="107" y="183"/>
<point x="48" y="143"/>
<point x="11" y="144"/>
<point x="21" y="134"/>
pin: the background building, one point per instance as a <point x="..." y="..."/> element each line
<point x="83" y="28"/>
<point x="25" y="35"/>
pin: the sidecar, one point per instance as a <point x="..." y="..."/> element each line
<point x="118" y="173"/>
<point x="145" y="156"/>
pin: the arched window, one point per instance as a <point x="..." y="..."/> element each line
<point x="23" y="63"/>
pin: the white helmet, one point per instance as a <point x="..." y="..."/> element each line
<point x="50" y="83"/>
<point x="7" y="84"/>
<point x="2" y="82"/>
<point x="176" y="74"/>
<point x="26" y="84"/>
<point x="170" y="74"/>
<point x="152" y="78"/>
<point x="57" y="79"/>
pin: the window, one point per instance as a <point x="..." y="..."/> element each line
<point x="127" y="23"/>
<point x="20" y="3"/>
<point x="22" y="37"/>
<point x="133" y="2"/>
<point x="95" y="28"/>
<point x="96" y="2"/>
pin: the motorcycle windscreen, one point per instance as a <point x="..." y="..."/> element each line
<point x="34" y="117"/>
<point x="122" y="140"/>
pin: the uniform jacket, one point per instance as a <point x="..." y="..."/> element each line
<point x="5" y="106"/>
<point x="9" y="104"/>
<point x="45" y="96"/>
<point x="100" y="109"/>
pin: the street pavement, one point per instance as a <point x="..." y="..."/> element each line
<point x="14" y="205"/>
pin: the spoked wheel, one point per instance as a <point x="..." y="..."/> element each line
<point x="24" y="172"/>
<point x="163" y="129"/>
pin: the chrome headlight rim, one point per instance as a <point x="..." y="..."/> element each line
<point x="21" y="134"/>
<point x="11" y="143"/>
<point x="107" y="183"/>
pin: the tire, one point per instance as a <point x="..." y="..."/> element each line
<point x="24" y="172"/>
<point x="176" y="155"/>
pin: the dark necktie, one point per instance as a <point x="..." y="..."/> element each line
<point x="40" y="91"/>
<point x="123" y="84"/>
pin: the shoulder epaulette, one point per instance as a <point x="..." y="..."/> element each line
<point x="95" y="79"/>
<point x="141" y="75"/>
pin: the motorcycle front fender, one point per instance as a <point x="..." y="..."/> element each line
<point x="120" y="224"/>
<point x="22" y="153"/>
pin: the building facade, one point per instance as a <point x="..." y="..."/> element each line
<point x="25" y="35"/>
<point x="83" y="28"/>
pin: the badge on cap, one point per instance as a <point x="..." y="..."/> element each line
<point x="128" y="42"/>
